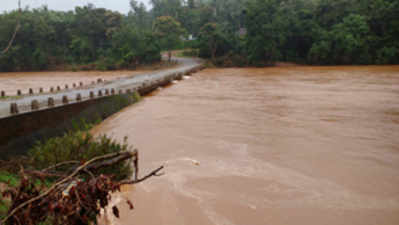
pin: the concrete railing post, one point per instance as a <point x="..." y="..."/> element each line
<point x="65" y="99"/>
<point x="91" y="95"/>
<point x="14" y="108"/>
<point x="34" y="105"/>
<point x="78" y="97"/>
<point x="50" y="102"/>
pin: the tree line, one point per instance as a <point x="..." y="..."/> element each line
<point x="324" y="32"/>
<point x="94" y="37"/>
<point x="230" y="32"/>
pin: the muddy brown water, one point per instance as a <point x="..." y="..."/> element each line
<point x="286" y="145"/>
<point x="11" y="82"/>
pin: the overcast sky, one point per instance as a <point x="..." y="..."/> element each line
<point x="65" y="5"/>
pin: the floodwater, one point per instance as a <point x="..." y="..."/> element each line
<point x="278" y="146"/>
<point x="11" y="82"/>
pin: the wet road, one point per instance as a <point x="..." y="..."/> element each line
<point x="130" y="81"/>
<point x="287" y="145"/>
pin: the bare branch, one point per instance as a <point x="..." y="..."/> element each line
<point x="136" y="181"/>
<point x="70" y="177"/>
<point x="60" y="164"/>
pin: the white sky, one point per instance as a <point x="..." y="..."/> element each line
<point x="65" y="5"/>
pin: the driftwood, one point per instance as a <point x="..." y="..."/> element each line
<point x="70" y="200"/>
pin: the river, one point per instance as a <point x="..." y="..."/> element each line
<point x="282" y="145"/>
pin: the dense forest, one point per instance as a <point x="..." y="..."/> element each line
<point x="229" y="32"/>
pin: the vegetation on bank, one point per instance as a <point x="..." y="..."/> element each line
<point x="230" y="32"/>
<point x="84" y="120"/>
<point x="31" y="175"/>
<point x="76" y="200"/>
<point x="309" y="32"/>
<point x="73" y="148"/>
<point x="96" y="37"/>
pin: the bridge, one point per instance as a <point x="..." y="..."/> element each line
<point x="28" y="118"/>
<point x="140" y="83"/>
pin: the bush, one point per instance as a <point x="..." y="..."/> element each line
<point x="79" y="146"/>
<point x="388" y="55"/>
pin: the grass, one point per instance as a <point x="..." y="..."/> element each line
<point x="9" y="178"/>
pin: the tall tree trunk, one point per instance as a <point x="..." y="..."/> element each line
<point x="169" y="56"/>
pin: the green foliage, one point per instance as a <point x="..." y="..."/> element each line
<point x="87" y="35"/>
<point x="265" y="30"/>
<point x="8" y="178"/>
<point x="168" y="31"/>
<point x="388" y="55"/>
<point x="304" y="31"/>
<point x="79" y="146"/>
<point x="211" y="41"/>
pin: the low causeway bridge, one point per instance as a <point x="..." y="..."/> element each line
<point x="142" y="83"/>
<point x="29" y="118"/>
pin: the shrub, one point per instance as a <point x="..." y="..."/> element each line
<point x="79" y="146"/>
<point x="387" y="55"/>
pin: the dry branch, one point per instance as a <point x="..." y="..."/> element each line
<point x="136" y="181"/>
<point x="71" y="182"/>
<point x="60" y="164"/>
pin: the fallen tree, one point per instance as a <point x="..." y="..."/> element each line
<point x="75" y="197"/>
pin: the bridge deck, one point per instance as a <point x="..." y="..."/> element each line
<point x="130" y="83"/>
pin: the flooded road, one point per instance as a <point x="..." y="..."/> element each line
<point x="11" y="82"/>
<point x="287" y="145"/>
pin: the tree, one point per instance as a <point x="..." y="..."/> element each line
<point x="265" y="30"/>
<point x="210" y="38"/>
<point x="169" y="32"/>
<point x="139" y="16"/>
<point x="17" y="27"/>
<point x="191" y="4"/>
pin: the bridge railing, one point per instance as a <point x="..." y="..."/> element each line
<point x="145" y="87"/>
